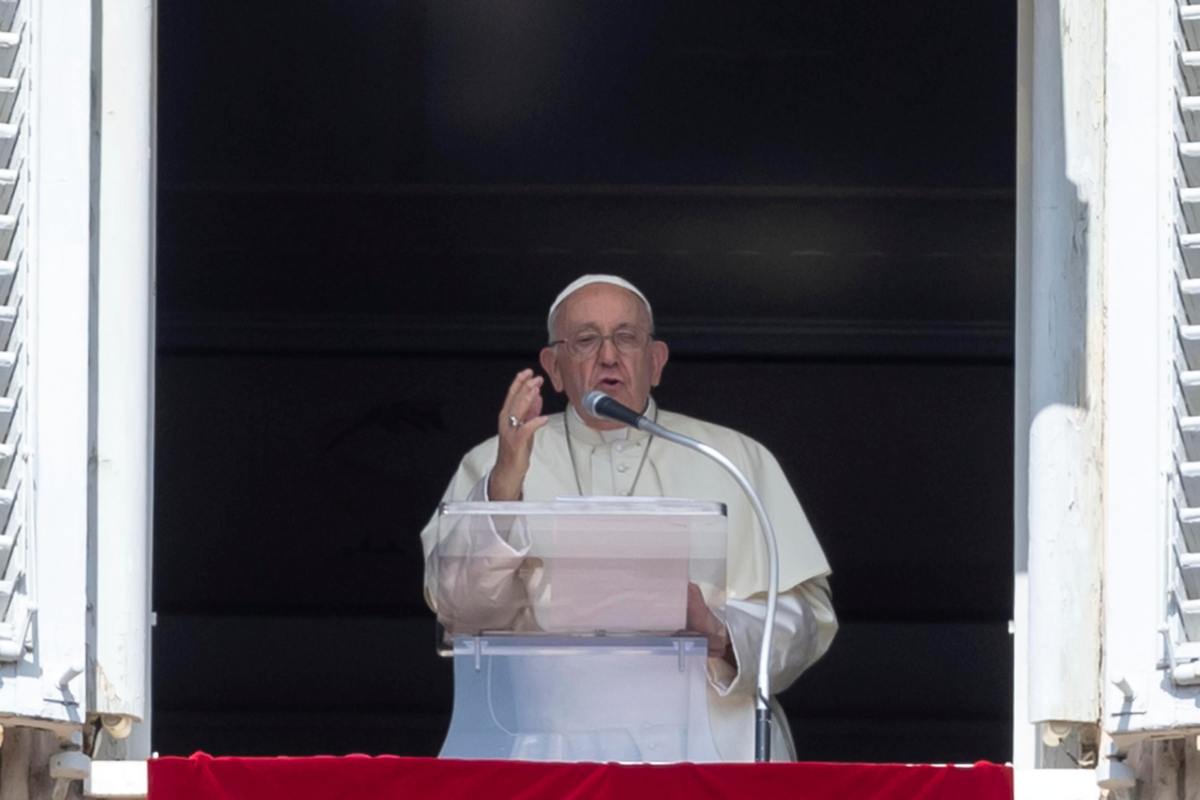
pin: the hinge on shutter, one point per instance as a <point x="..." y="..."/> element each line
<point x="1184" y="670"/>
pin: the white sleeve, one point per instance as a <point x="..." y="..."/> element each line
<point x="804" y="627"/>
<point x="471" y="576"/>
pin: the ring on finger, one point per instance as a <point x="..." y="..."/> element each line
<point x="513" y="422"/>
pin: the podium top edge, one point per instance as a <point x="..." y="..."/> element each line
<point x="590" y="506"/>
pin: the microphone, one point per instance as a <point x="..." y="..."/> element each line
<point x="598" y="404"/>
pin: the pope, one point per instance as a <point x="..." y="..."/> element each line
<point x="601" y="336"/>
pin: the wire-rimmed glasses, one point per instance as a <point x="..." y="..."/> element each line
<point x="586" y="343"/>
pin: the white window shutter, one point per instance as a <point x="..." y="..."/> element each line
<point x="15" y="558"/>
<point x="45" y="140"/>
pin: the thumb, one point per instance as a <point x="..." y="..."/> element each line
<point x="533" y="426"/>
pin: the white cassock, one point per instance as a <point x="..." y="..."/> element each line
<point x="612" y="463"/>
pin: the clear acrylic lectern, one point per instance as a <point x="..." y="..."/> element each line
<point x="566" y="621"/>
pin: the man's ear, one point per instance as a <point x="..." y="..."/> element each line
<point x="659" y="353"/>
<point x="548" y="358"/>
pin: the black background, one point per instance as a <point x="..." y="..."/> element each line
<point x="364" y="210"/>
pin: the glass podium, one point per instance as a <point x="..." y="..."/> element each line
<point x="567" y="625"/>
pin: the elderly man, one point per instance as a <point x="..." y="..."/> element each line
<point x="601" y="336"/>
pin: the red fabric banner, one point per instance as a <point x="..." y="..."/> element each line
<point x="363" y="777"/>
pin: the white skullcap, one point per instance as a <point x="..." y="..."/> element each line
<point x="587" y="280"/>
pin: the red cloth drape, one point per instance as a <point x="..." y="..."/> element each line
<point x="363" y="777"/>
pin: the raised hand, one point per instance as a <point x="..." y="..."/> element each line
<point x="520" y="417"/>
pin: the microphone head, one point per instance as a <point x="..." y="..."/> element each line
<point x="598" y="404"/>
<point x="592" y="399"/>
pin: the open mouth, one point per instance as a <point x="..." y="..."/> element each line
<point x="608" y="384"/>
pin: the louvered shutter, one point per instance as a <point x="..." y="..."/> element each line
<point x="1183" y="631"/>
<point x="45" y="142"/>
<point x="15" y="553"/>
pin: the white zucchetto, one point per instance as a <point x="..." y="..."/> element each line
<point x="588" y="280"/>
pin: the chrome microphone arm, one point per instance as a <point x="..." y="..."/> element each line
<point x="762" y="707"/>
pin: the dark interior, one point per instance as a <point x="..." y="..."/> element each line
<point x="364" y="210"/>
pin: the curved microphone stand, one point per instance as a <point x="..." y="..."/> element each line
<point x="598" y="404"/>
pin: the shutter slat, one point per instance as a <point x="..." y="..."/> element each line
<point x="1183" y="624"/>
<point x="17" y="609"/>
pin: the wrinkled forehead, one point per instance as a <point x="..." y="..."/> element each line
<point x="602" y="306"/>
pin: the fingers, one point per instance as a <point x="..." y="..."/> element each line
<point x="522" y="405"/>
<point x="527" y="402"/>
<point x="524" y="398"/>
<point x="514" y="389"/>
<point x="531" y="427"/>
<point x="701" y="619"/>
<point x="518" y="382"/>
<point x="535" y="406"/>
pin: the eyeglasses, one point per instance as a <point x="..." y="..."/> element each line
<point x="586" y="344"/>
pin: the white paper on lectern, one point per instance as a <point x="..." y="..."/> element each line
<point x="585" y="564"/>
<point x="628" y="574"/>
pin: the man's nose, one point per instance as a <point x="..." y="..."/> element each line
<point x="608" y="351"/>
